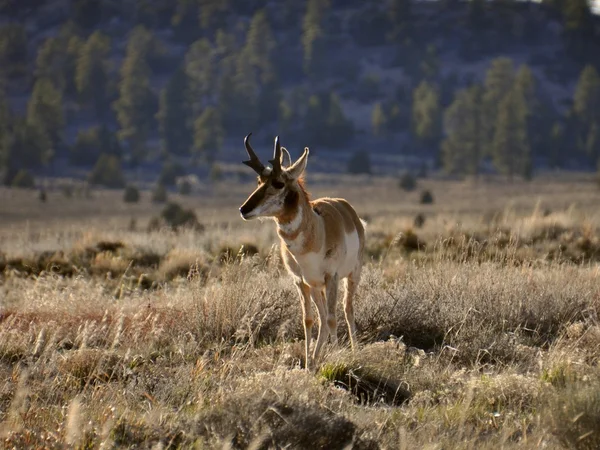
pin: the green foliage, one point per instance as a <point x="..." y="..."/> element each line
<point x="169" y="173"/>
<point x="45" y="110"/>
<point x="499" y="80"/>
<point x="510" y="147"/>
<point x="208" y="133"/>
<point x="313" y="35"/>
<point x="586" y="107"/>
<point x="13" y="49"/>
<point x="91" y="74"/>
<point x="201" y="73"/>
<point x="107" y="172"/>
<point x="131" y="194"/>
<point x="259" y="47"/>
<point x="91" y="143"/>
<point x="407" y="182"/>
<point x="159" y="194"/>
<point x="136" y="106"/>
<point x="23" y="179"/>
<point x="359" y="162"/>
<point x="174" y="115"/>
<point x="57" y="59"/>
<point x="426" y="113"/>
<point x="462" y="150"/>
<point x="24" y="145"/>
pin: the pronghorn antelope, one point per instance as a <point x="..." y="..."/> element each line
<point x="322" y="240"/>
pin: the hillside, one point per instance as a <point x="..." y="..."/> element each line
<point x="151" y="82"/>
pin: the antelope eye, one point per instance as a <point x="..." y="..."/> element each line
<point x="278" y="184"/>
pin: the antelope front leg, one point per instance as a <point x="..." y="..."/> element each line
<point x="319" y="299"/>
<point x="331" y="292"/>
<point x="308" y="319"/>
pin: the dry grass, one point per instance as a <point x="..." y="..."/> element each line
<point x="477" y="330"/>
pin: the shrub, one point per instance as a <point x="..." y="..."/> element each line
<point x="107" y="172"/>
<point x="185" y="188"/>
<point x="159" y="195"/>
<point x="91" y="143"/>
<point x="131" y="194"/>
<point x="23" y="179"/>
<point x="169" y="173"/>
<point x="407" y="182"/>
<point x="175" y="216"/>
<point x="359" y="162"/>
<point x="426" y="197"/>
<point x="419" y="220"/>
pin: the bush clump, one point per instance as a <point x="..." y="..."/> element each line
<point x="23" y="179"/>
<point x="175" y="216"/>
<point x="107" y="172"/>
<point x="407" y="182"/>
<point x="159" y="194"/>
<point x="426" y="197"/>
<point x="359" y="162"/>
<point x="131" y="194"/>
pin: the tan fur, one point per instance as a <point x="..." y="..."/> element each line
<point x="315" y="247"/>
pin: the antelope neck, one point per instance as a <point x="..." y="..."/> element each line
<point x="295" y="217"/>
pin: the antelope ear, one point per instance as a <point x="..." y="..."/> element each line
<point x="299" y="166"/>
<point x="286" y="159"/>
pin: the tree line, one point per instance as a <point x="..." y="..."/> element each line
<point x="261" y="73"/>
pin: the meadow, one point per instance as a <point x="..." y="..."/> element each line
<point x="477" y="318"/>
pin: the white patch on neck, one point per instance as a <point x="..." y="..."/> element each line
<point x="292" y="227"/>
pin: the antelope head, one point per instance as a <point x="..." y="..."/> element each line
<point x="277" y="185"/>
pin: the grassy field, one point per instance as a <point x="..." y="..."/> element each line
<point x="478" y="325"/>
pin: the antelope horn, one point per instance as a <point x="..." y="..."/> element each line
<point x="254" y="163"/>
<point x="276" y="161"/>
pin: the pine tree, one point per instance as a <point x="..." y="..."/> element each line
<point x="313" y="34"/>
<point x="260" y="45"/>
<point x="208" y="134"/>
<point x="25" y="145"/>
<point x="174" y="115"/>
<point x="511" y="150"/>
<point x="462" y="149"/>
<point x="426" y="113"/>
<point x="136" y="105"/>
<point x="378" y="120"/>
<point x="200" y="69"/>
<point x="586" y="108"/>
<point x="45" y="110"/>
<point x="91" y="73"/>
<point x="56" y="60"/>
<point x="499" y="80"/>
<point x="91" y="143"/>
